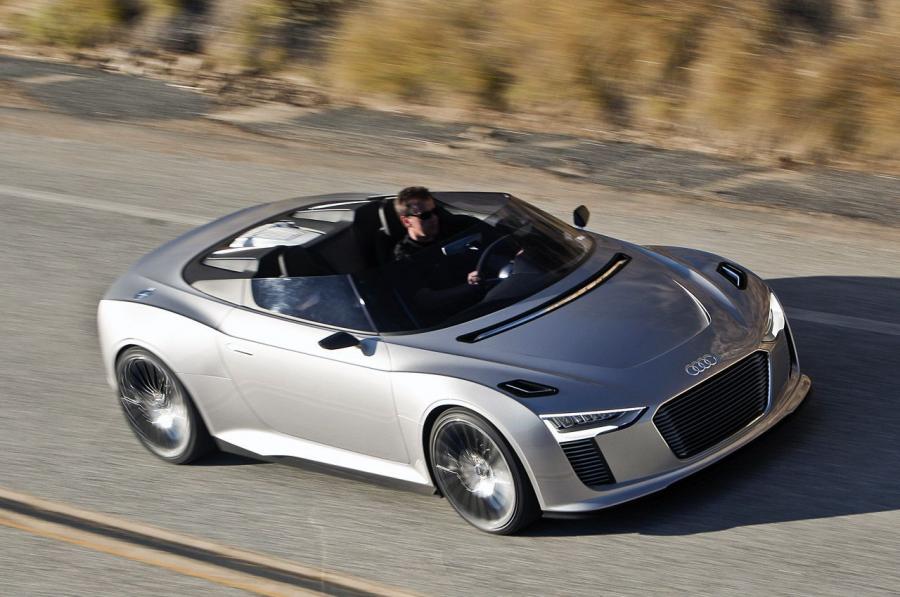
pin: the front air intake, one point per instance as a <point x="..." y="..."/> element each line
<point x="588" y="462"/>
<point x="713" y="411"/>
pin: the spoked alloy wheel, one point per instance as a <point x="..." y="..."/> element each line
<point x="158" y="408"/>
<point x="479" y="475"/>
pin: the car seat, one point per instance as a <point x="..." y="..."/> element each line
<point x="390" y="233"/>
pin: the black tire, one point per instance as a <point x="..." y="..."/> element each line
<point x="159" y="409"/>
<point x="479" y="474"/>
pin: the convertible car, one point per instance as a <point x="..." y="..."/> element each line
<point x="576" y="372"/>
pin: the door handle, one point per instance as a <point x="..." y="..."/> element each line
<point x="239" y="348"/>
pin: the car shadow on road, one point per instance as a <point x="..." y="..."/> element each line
<point x="226" y="459"/>
<point x="838" y="455"/>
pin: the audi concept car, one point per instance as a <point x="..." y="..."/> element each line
<point x="576" y="372"/>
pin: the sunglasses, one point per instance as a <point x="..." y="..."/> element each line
<point x="422" y="215"/>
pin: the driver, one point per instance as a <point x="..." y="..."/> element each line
<point x="426" y="225"/>
<point x="438" y="285"/>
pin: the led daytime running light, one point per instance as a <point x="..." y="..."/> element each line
<point x="776" y="320"/>
<point x="572" y="421"/>
<point x="597" y="421"/>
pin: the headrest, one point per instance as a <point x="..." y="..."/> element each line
<point x="390" y="221"/>
<point x="297" y="260"/>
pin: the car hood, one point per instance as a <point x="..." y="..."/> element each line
<point x="637" y="315"/>
<point x="651" y="318"/>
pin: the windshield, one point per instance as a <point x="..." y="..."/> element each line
<point x="485" y="261"/>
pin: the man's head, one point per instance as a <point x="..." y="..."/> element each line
<point x="416" y="208"/>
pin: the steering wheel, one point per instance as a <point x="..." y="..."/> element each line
<point x="489" y="252"/>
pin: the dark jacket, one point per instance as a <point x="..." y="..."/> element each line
<point x="437" y="283"/>
<point x="450" y="225"/>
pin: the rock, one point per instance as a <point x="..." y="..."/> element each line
<point x="307" y="98"/>
<point x="508" y="136"/>
<point x="787" y="162"/>
<point x="125" y="66"/>
<point x="477" y="133"/>
<point x="191" y="64"/>
<point x="157" y="66"/>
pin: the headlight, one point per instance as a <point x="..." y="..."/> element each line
<point x="592" y="423"/>
<point x="776" y="319"/>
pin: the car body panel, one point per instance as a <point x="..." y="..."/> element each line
<point x="337" y="397"/>
<point x="164" y="265"/>
<point x="588" y="378"/>
<point x="268" y="443"/>
<point x="794" y="394"/>
<point x="197" y="362"/>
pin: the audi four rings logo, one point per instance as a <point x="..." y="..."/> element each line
<point x="705" y="362"/>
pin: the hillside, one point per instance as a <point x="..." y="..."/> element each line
<point x="815" y="80"/>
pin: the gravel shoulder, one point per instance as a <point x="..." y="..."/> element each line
<point x="92" y="94"/>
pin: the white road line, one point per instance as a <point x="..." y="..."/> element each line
<point x="845" y="321"/>
<point x="101" y="205"/>
<point x="48" y="79"/>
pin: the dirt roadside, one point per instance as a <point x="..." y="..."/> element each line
<point x="179" y="95"/>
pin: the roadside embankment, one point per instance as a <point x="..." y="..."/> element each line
<point x="815" y="81"/>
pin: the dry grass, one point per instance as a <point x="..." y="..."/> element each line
<point x="266" y="35"/>
<point x="74" y="22"/>
<point x="83" y="23"/>
<point x="813" y="78"/>
<point x="248" y="33"/>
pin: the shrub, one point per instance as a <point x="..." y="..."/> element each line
<point x="817" y="77"/>
<point x="78" y="22"/>
<point x="264" y="34"/>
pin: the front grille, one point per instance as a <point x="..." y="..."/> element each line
<point x="717" y="408"/>
<point x="588" y="462"/>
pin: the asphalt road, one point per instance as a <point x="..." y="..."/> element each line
<point x="811" y="508"/>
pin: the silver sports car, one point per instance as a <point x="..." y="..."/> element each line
<point x="576" y="371"/>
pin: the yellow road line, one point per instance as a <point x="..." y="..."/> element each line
<point x="143" y="543"/>
<point x="123" y="549"/>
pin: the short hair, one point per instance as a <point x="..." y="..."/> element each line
<point x="407" y="195"/>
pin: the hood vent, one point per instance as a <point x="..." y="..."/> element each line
<point x="611" y="268"/>
<point x="733" y="274"/>
<point x="527" y="389"/>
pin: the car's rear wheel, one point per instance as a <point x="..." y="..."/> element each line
<point x="159" y="409"/>
<point x="478" y="473"/>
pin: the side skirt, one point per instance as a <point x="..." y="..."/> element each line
<point x="337" y="471"/>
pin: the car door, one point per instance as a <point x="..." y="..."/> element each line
<point x="340" y="398"/>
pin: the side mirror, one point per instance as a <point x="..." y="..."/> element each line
<point x="338" y="340"/>
<point x="581" y="215"/>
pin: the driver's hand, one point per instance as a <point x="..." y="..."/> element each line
<point x="474" y="279"/>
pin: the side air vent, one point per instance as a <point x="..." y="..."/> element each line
<point x="527" y="389"/>
<point x="588" y="462"/>
<point x="733" y="274"/>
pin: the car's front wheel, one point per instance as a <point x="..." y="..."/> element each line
<point x="159" y="409"/>
<point x="478" y="473"/>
